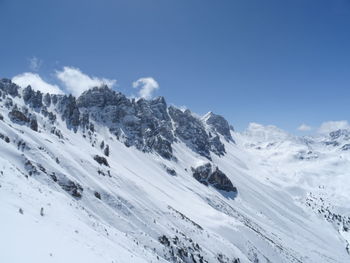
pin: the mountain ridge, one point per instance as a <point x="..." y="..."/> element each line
<point x="140" y="174"/>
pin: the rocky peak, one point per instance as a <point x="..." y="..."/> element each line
<point x="99" y="97"/>
<point x="142" y="123"/>
<point x="219" y="124"/>
<point x="334" y="135"/>
<point x="32" y="98"/>
<point x="7" y="86"/>
<point x="190" y="130"/>
<point x="159" y="108"/>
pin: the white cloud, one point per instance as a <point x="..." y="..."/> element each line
<point x="36" y="82"/>
<point x="76" y="82"/>
<point x="304" y="127"/>
<point x="35" y="63"/>
<point x="147" y="86"/>
<point x="330" y="126"/>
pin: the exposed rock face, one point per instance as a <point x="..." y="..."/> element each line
<point x="33" y="124"/>
<point x="202" y="173"/>
<point x="218" y="124"/>
<point x="220" y="181"/>
<point x="346" y="147"/>
<point x="334" y="135"/>
<point x="18" y="117"/>
<point x="155" y="126"/>
<point x="337" y="138"/>
<point x="8" y="87"/>
<point x="216" y="146"/>
<point x="148" y="125"/>
<point x="72" y="188"/>
<point x="69" y="111"/>
<point x="101" y="160"/>
<point x="33" y="98"/>
<point x="4" y="137"/>
<point x="191" y="131"/>
<point x="99" y="97"/>
<point x="106" y="150"/>
<point x="47" y="99"/>
<point x="209" y="175"/>
<point x="142" y="123"/>
<point x="306" y="155"/>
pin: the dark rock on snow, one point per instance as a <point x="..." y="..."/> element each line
<point x="18" y="117"/>
<point x="9" y="87"/>
<point x="209" y="175"/>
<point x="101" y="160"/>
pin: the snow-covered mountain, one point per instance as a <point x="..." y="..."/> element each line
<point x="105" y="178"/>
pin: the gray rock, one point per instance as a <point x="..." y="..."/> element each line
<point x="47" y="99"/>
<point x="4" y="137"/>
<point x="220" y="181"/>
<point x="71" y="187"/>
<point x="209" y="175"/>
<point x="202" y="173"/>
<point x="346" y="147"/>
<point x="334" y="135"/>
<point x="9" y="87"/>
<point x="191" y="131"/>
<point x="106" y="150"/>
<point x="70" y="113"/>
<point x="33" y="123"/>
<point x="101" y="160"/>
<point x="148" y="125"/>
<point x="218" y="124"/>
<point x="33" y="98"/>
<point x="57" y="132"/>
<point x="8" y="103"/>
<point x="99" y="97"/>
<point x="142" y="123"/>
<point x="216" y="146"/>
<point x="18" y="117"/>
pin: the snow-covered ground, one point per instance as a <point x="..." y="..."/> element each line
<point x="58" y="204"/>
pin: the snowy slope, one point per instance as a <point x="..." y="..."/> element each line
<point x="138" y="203"/>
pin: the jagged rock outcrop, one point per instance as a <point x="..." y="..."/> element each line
<point x="32" y="98"/>
<point x="33" y="124"/>
<point x="191" y="131"/>
<point x="141" y="123"/>
<point x="219" y="125"/>
<point x="9" y="87"/>
<point x="334" y="135"/>
<point x="101" y="160"/>
<point x="18" y="116"/>
<point x="216" y="146"/>
<point x="72" y="188"/>
<point x="209" y="175"/>
<point x="4" y="137"/>
<point x="148" y="125"/>
<point x="339" y="138"/>
<point x="70" y="113"/>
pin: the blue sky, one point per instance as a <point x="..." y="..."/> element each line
<point x="272" y="62"/>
